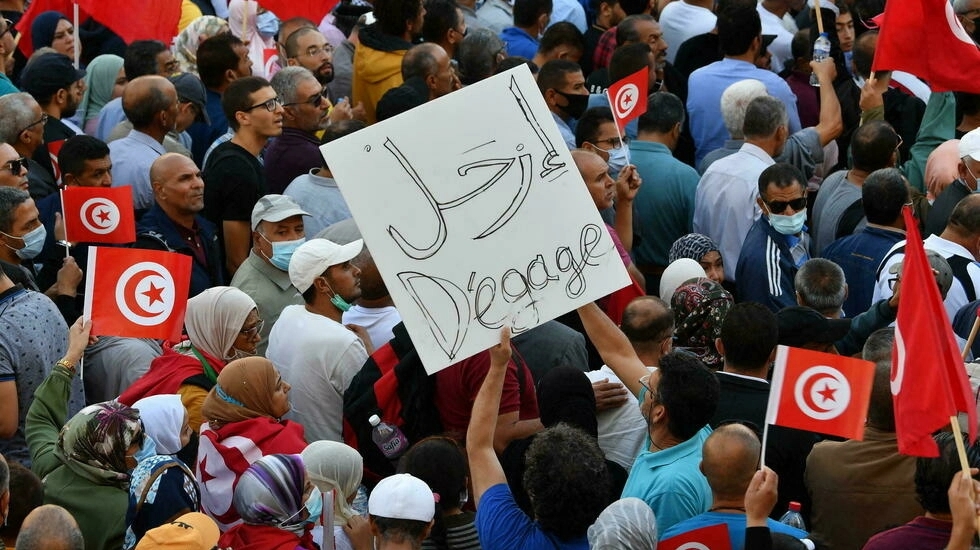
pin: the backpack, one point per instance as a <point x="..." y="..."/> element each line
<point x="394" y="385"/>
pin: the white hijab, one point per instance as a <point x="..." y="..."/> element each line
<point x="333" y="466"/>
<point x="163" y="419"/>
<point x="215" y="317"/>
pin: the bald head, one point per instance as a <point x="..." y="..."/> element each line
<point x="647" y="322"/>
<point x="422" y="60"/>
<point x="729" y="460"/>
<point x="177" y="186"/>
<point x="50" y="527"/>
<point x="145" y="97"/>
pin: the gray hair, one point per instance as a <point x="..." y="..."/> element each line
<point x="18" y="113"/>
<point x="287" y="81"/>
<point x="50" y="526"/>
<point x="763" y="116"/>
<point x="821" y="285"/>
<point x="477" y="55"/>
<point x="10" y="199"/>
<point x="735" y="100"/>
<point x="878" y="346"/>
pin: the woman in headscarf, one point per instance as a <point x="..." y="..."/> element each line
<point x="700" y="307"/>
<point x="243" y="421"/>
<point x="86" y="461"/>
<point x="202" y="28"/>
<point x="337" y="468"/>
<point x="257" y="28"/>
<point x="222" y="324"/>
<point x="104" y="81"/>
<point x="165" y="421"/>
<point x="53" y="29"/>
<point x="274" y="500"/>
<point x="627" y="524"/>
<point x="701" y="249"/>
<point x="439" y="462"/>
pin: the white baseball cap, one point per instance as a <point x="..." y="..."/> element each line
<point x="314" y="256"/>
<point x="402" y="496"/>
<point x="970" y="145"/>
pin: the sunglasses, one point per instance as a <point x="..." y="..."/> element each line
<point x="15" y="166"/>
<point x="778" y="207"/>
<point x="315" y="101"/>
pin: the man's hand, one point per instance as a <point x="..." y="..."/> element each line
<point x="609" y="395"/>
<point x="358" y="530"/>
<point x="69" y="276"/>
<point x="962" y="503"/>
<point x="873" y="91"/>
<point x="362" y="333"/>
<point x="78" y="340"/>
<point x="760" y="497"/>
<point x="341" y="111"/>
<point x="500" y="353"/>
<point x="627" y="184"/>
<point x="825" y="70"/>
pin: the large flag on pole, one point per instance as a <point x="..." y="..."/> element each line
<point x="820" y="392"/>
<point x="928" y="380"/>
<point x="925" y="38"/>
<point x="314" y="10"/>
<point x="628" y="97"/>
<point x="99" y="214"/>
<point x="156" y="20"/>
<point x="138" y="293"/>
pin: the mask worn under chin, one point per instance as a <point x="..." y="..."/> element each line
<point x="577" y="104"/>
<point x="788" y="225"/>
<point x="340" y="303"/>
<point x="33" y="243"/>
<point x="238" y="354"/>
<point x="268" y="24"/>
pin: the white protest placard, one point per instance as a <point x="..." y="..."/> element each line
<point x="476" y="216"/>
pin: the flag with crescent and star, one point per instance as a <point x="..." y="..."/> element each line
<point x="628" y="97"/>
<point x="820" y="392"/>
<point x="99" y="214"/>
<point x="712" y="537"/>
<point x="137" y="293"/>
<point x="928" y="379"/>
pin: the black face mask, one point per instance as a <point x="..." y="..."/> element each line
<point x="577" y="104"/>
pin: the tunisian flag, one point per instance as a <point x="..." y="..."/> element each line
<point x="713" y="537"/>
<point x="99" y="214"/>
<point x="138" y="293"/>
<point x="928" y="379"/>
<point x="628" y="97"/>
<point x="155" y="20"/>
<point x="314" y="10"/>
<point x="925" y="38"/>
<point x="820" y="392"/>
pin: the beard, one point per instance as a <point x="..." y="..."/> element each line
<point x="324" y="74"/>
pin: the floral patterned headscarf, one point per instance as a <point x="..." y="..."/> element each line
<point x="95" y="441"/>
<point x="700" y="307"/>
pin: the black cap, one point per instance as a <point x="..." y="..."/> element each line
<point x="190" y="88"/>
<point x="49" y="73"/>
<point x="800" y="325"/>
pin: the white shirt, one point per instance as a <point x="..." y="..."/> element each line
<point x="318" y="357"/>
<point x="724" y="205"/>
<point x="680" y="21"/>
<point x="781" y="47"/>
<point x="377" y="321"/>
<point x="623" y="430"/>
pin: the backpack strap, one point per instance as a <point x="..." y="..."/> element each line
<point x="160" y="472"/>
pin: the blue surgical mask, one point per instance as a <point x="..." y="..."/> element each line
<point x="617" y="159"/>
<point x="148" y="449"/>
<point x="282" y="252"/>
<point x="788" y="225"/>
<point x="33" y="243"/>
<point x="267" y="23"/>
<point x="314" y="505"/>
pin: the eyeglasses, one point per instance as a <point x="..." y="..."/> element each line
<point x="270" y="105"/>
<point x="15" y="166"/>
<point x="315" y="101"/>
<point x="314" y="51"/>
<point x="778" y="207"/>
<point x="8" y="26"/>
<point x="42" y="121"/>
<point x="612" y="143"/>
<point x="251" y="331"/>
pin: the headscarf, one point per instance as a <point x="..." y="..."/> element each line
<point x="100" y="79"/>
<point x="43" y="27"/>
<point x="627" y="524"/>
<point x="271" y="491"/>
<point x="173" y="493"/>
<point x="566" y="395"/>
<point x="215" y="317"/>
<point x="700" y="307"/>
<point x="243" y="16"/>
<point x="693" y="246"/>
<point x="202" y="28"/>
<point x="163" y="419"/>
<point x="333" y="466"/>
<point x="244" y="390"/>
<point x="95" y="441"/>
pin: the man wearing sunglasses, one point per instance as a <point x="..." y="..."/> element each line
<point x="13" y="168"/>
<point x="305" y="108"/>
<point x="777" y="244"/>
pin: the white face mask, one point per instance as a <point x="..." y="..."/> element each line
<point x="788" y="225"/>
<point x="617" y="159"/>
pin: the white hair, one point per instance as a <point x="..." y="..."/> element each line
<point x="735" y="100"/>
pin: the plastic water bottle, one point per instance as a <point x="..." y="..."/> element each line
<point x="821" y="51"/>
<point x="792" y="517"/>
<point x="388" y="438"/>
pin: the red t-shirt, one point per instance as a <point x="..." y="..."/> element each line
<point x="457" y="386"/>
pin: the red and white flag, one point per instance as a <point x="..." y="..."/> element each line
<point x="928" y="380"/>
<point x="628" y="97"/>
<point x="314" y="10"/>
<point x="712" y="537"/>
<point x="138" y="293"/>
<point x="820" y="392"/>
<point x="54" y="149"/>
<point x="152" y="20"/>
<point x="270" y="57"/>
<point x="925" y="38"/>
<point x="99" y="214"/>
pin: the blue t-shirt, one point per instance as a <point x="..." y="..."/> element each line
<point x="736" y="527"/>
<point x="502" y="525"/>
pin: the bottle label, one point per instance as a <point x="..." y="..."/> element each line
<point x="393" y="447"/>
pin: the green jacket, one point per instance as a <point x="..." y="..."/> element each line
<point x="98" y="505"/>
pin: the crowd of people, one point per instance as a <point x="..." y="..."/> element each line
<point x="758" y="201"/>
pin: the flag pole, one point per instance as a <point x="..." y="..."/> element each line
<point x="973" y="335"/>
<point x="964" y="463"/>
<point x="78" y="45"/>
<point x="619" y="133"/>
<point x="765" y="439"/>
<point x="816" y="7"/>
